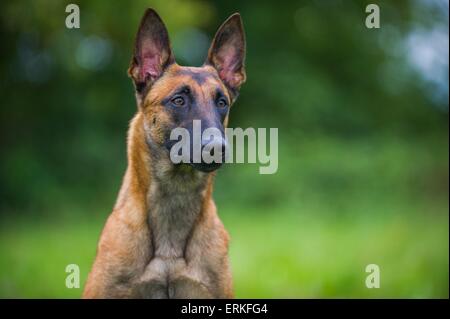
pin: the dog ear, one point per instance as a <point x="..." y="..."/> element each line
<point x="227" y="52"/>
<point x="152" y="51"/>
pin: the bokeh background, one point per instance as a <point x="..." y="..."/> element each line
<point x="363" y="142"/>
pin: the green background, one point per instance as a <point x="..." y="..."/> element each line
<point x="362" y="116"/>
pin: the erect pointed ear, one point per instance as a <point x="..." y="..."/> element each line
<point x="227" y="52"/>
<point x="152" y="52"/>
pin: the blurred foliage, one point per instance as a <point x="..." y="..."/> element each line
<point x="363" y="141"/>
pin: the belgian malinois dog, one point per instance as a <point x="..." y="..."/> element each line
<point x="164" y="238"/>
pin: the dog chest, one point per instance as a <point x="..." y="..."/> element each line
<point x="171" y="220"/>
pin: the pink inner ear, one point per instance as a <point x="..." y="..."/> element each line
<point x="229" y="66"/>
<point x="150" y="62"/>
<point x="150" y="67"/>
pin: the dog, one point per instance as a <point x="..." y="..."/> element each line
<point x="164" y="238"/>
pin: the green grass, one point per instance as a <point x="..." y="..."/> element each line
<point x="311" y="257"/>
<point x="286" y="254"/>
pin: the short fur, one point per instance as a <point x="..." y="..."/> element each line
<point x="164" y="238"/>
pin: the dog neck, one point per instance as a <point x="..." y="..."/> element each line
<point x="168" y="198"/>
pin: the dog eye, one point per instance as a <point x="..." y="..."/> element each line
<point x="178" y="101"/>
<point x="222" y="103"/>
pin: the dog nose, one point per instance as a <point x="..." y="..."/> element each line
<point x="214" y="144"/>
<point x="210" y="160"/>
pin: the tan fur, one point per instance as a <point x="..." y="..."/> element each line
<point x="135" y="258"/>
<point x="164" y="238"/>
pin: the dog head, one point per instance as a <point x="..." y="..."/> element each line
<point x="171" y="96"/>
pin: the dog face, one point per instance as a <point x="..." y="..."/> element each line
<point x="172" y="96"/>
